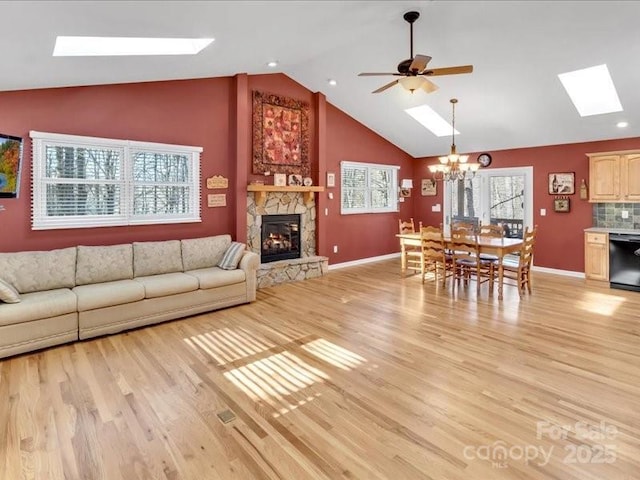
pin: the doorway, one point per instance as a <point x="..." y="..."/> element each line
<point x="497" y="196"/>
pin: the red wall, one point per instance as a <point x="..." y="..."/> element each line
<point x="361" y="235"/>
<point x="213" y="113"/>
<point x="190" y="112"/>
<point x="560" y="240"/>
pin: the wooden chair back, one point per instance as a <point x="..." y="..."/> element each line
<point x="433" y="250"/>
<point x="491" y="231"/>
<point x="465" y="222"/>
<point x="528" y="244"/>
<point x="406" y="227"/>
<point x="464" y="240"/>
<point x="433" y="246"/>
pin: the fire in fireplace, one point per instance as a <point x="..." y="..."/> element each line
<point x="280" y="238"/>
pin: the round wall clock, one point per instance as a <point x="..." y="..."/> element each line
<point x="484" y="159"/>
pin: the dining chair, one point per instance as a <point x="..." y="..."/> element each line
<point x="411" y="252"/>
<point x="490" y="231"/>
<point x="408" y="227"/>
<point x="434" y="257"/>
<point x="466" y="259"/>
<point x="520" y="271"/>
<point x="466" y="223"/>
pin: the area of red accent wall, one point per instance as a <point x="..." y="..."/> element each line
<point x="560" y="239"/>
<point x="187" y="112"/>
<point x="361" y="235"/>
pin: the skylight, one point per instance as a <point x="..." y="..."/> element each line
<point x="591" y="90"/>
<point x="119" y="46"/>
<point x="431" y="120"/>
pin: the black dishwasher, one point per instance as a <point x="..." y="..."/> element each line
<point x="624" y="261"/>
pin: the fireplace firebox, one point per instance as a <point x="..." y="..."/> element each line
<point x="280" y="238"/>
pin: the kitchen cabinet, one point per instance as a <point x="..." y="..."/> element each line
<point x="596" y="256"/>
<point x="614" y="176"/>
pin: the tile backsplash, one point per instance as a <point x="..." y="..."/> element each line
<point x="609" y="215"/>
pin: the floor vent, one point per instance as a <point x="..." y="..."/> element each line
<point x="226" y="416"/>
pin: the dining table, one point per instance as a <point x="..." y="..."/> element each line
<point x="500" y="247"/>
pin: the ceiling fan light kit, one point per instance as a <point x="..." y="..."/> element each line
<point x="414" y="70"/>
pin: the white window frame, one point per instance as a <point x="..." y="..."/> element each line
<point x="40" y="221"/>
<point x="368" y="208"/>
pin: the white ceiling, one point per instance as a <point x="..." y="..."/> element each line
<point x="512" y="99"/>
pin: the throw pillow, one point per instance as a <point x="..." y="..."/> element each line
<point x="8" y="294"/>
<point x="232" y="256"/>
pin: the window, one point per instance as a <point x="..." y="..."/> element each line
<point x="368" y="188"/>
<point x="83" y="182"/>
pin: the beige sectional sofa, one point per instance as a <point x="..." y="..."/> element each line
<point x="85" y="291"/>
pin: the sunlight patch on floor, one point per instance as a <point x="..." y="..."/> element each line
<point x="333" y="354"/>
<point x="277" y="381"/>
<point x="601" y="303"/>
<point x="227" y="345"/>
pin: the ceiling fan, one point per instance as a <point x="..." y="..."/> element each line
<point x="414" y="70"/>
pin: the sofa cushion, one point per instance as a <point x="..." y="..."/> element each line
<point x="167" y="284"/>
<point x="232" y="256"/>
<point x="216" y="277"/>
<point x="104" y="263"/>
<point x="8" y="294"/>
<point x="38" y="271"/>
<point x="154" y="258"/>
<point x="204" y="252"/>
<point x="100" y="295"/>
<point x="38" y="305"/>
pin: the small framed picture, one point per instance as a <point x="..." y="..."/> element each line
<point x="429" y="188"/>
<point x="562" y="205"/>
<point x="331" y="179"/>
<point x="295" y="180"/>
<point x="562" y="183"/>
<point x="280" y="179"/>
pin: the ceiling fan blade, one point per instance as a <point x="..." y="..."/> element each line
<point x="428" y="86"/>
<point x="384" y="87"/>
<point x="419" y="63"/>
<point x="378" y="74"/>
<point x="432" y="72"/>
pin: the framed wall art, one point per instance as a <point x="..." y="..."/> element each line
<point x="295" y="180"/>
<point x="562" y="183"/>
<point x="280" y="135"/>
<point x="562" y="205"/>
<point x="429" y="188"/>
<point x="280" y="179"/>
<point x="331" y="179"/>
<point x="10" y="162"/>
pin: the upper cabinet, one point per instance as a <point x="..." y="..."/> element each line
<point x="614" y="177"/>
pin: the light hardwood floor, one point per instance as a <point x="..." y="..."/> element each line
<point x="357" y="375"/>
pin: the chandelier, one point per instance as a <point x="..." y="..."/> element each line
<point x="453" y="166"/>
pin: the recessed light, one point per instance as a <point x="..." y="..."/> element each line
<point x="429" y="119"/>
<point x="332" y="82"/>
<point x="591" y="90"/>
<point x="272" y="64"/>
<point x="622" y="124"/>
<point x="120" y="46"/>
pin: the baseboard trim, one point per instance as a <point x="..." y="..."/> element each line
<point x="363" y="261"/>
<point x="555" y="271"/>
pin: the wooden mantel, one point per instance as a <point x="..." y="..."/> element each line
<point x="261" y="192"/>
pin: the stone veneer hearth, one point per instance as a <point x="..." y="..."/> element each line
<point x="309" y="265"/>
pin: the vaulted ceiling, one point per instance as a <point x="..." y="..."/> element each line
<point x="512" y="99"/>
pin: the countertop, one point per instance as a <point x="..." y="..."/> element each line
<point x="612" y="230"/>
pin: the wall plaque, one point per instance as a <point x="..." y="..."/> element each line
<point x="217" y="181"/>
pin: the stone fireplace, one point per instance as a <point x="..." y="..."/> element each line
<point x="281" y="270"/>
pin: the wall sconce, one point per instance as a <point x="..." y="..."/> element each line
<point x="405" y="187"/>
